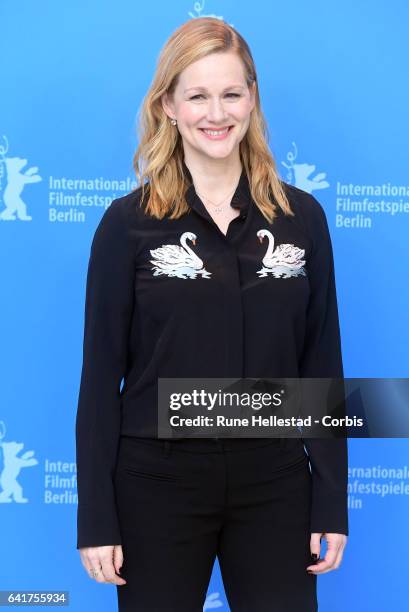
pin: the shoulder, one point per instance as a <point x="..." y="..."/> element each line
<point x="308" y="211"/>
<point x="303" y="203"/>
<point x="122" y="213"/>
<point x="115" y="226"/>
<point x="127" y="206"/>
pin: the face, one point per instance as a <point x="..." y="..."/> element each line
<point x="212" y="94"/>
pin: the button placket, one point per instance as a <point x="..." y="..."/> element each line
<point x="233" y="312"/>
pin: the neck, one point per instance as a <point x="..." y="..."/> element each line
<point x="215" y="177"/>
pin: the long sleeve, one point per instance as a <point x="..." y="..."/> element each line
<point x="108" y="313"/>
<point x="322" y="358"/>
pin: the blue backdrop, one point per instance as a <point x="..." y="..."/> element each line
<point x="334" y="89"/>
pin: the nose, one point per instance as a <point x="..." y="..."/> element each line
<point x="216" y="112"/>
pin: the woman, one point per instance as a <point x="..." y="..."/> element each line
<point x="214" y="268"/>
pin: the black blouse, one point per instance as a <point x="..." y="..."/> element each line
<point x="178" y="298"/>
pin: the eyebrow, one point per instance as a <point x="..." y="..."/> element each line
<point x="204" y="88"/>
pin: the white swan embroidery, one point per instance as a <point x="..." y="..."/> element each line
<point x="180" y="261"/>
<point x="284" y="261"/>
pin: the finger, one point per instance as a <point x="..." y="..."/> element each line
<point x="339" y="557"/>
<point x="315" y="549"/>
<point x="98" y="563"/>
<point x="94" y="563"/>
<point x="118" y="557"/>
<point x="109" y="571"/>
<point x="315" y="543"/>
<point x="334" y="543"/>
<point x="84" y="560"/>
<point x="96" y="573"/>
<point x="327" y="564"/>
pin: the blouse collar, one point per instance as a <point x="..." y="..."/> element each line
<point x="241" y="198"/>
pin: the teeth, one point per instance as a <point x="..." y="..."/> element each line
<point x="216" y="133"/>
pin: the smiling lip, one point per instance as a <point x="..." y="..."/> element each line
<point x="216" y="129"/>
<point x="221" y="136"/>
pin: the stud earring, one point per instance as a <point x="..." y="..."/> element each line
<point x="173" y="121"/>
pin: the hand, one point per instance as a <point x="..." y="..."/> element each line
<point x="336" y="543"/>
<point x="106" y="561"/>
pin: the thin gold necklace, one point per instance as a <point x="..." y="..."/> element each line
<point x="218" y="208"/>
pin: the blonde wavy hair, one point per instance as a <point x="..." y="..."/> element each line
<point x="158" y="160"/>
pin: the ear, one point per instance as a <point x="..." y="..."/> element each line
<point x="253" y="94"/>
<point x="167" y="105"/>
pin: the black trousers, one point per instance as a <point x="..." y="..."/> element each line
<point x="182" y="502"/>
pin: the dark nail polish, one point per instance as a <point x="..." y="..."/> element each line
<point x="315" y="556"/>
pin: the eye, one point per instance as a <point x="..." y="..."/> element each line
<point x="235" y="95"/>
